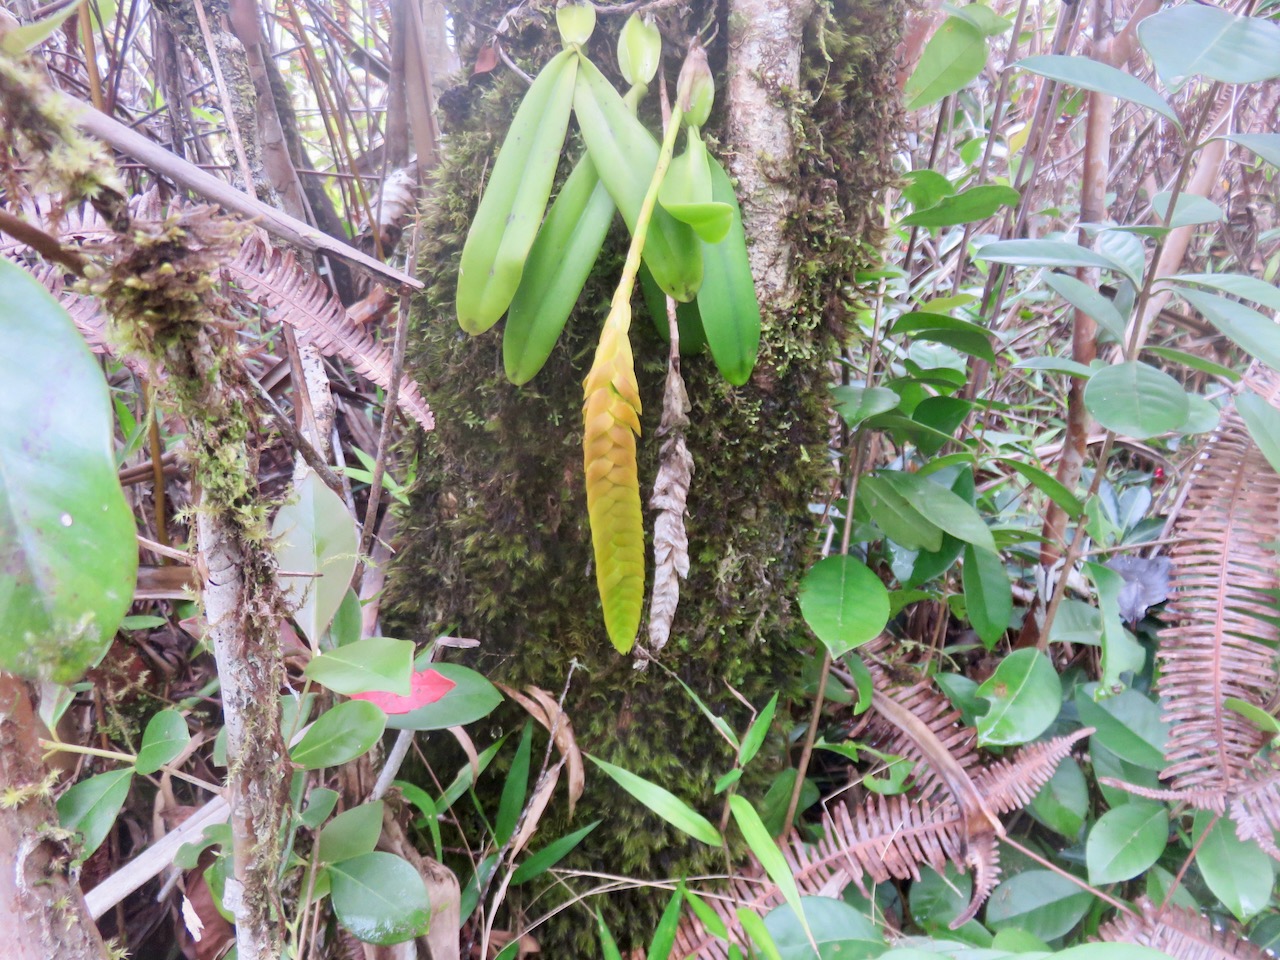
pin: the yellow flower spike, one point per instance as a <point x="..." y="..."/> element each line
<point x="611" y="413"/>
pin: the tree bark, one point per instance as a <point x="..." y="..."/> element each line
<point x="42" y="912"/>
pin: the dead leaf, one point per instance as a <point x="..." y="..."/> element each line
<point x="536" y="806"/>
<point x="486" y="59"/>
<point x="670" y="496"/>
<point x="469" y="748"/>
<point x="546" y="710"/>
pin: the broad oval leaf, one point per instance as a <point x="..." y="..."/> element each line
<point x="1089" y="74"/>
<point x="166" y="736"/>
<point x="943" y="507"/>
<point x="844" y="603"/>
<point x="838" y="929"/>
<point x="380" y="898"/>
<point x="988" y="597"/>
<point x="1127" y="724"/>
<point x="316" y="538"/>
<point x="1195" y="39"/>
<point x="342" y="733"/>
<point x="1257" y="334"/>
<point x="351" y="833"/>
<point x="1039" y="902"/>
<point x="91" y="806"/>
<point x="1086" y="298"/>
<point x="471" y="698"/>
<point x="1126" y="841"/>
<point x="1063" y="803"/>
<point x="953" y="57"/>
<point x="1136" y="400"/>
<point x="1238" y="872"/>
<point x="375" y="663"/>
<point x="1025" y="695"/>
<point x="855" y="404"/>
<point x="662" y="802"/>
<point x="972" y="205"/>
<point x="67" y="536"/>
<point x="1265" y="145"/>
<point x="425" y="687"/>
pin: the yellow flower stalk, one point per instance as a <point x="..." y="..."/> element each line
<point x="611" y="415"/>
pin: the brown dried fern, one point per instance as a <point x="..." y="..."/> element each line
<point x="1182" y="934"/>
<point x="1221" y="643"/>
<point x="266" y="276"/>
<point x="948" y="817"/>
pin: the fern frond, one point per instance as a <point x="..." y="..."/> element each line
<point x="611" y="416"/>
<point x="1255" y="808"/>
<point x="299" y="297"/>
<point x="1011" y="784"/>
<point x="1224" y="631"/>
<point x="1180" y="933"/>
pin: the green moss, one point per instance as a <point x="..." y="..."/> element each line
<point x="495" y="541"/>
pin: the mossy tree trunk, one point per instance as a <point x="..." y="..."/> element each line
<point x="496" y="539"/>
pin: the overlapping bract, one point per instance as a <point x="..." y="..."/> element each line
<point x="611" y="413"/>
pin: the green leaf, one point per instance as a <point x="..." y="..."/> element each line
<point x="1254" y="714"/>
<point x="1072" y="368"/>
<point x="1089" y="74"/>
<point x="937" y="899"/>
<point x="951" y="60"/>
<point x="1256" y="334"/>
<point x="1136" y="400"/>
<point x="608" y="946"/>
<point x="894" y="514"/>
<point x="316" y="536"/>
<point x="969" y="206"/>
<point x="1265" y="145"/>
<point x="18" y="40"/>
<point x="351" y="834"/>
<point x="664" y="803"/>
<point x="380" y="898"/>
<point x="759" y="729"/>
<point x="1263" y="421"/>
<point x="924" y="188"/>
<point x="1127" y="724"/>
<point x="1238" y="872"/>
<point x="1089" y="300"/>
<point x="472" y="698"/>
<point x="375" y="663"/>
<point x="767" y="852"/>
<point x="844" y="603"/>
<point x="67" y="535"/>
<point x="345" y="627"/>
<point x="90" y="807"/>
<point x="1194" y="362"/>
<point x="1063" y="803"/>
<point x="1025" y="696"/>
<point x="320" y="803"/>
<point x="961" y="334"/>
<point x="546" y="858"/>
<point x="1121" y="653"/>
<point x="943" y="507"/>
<point x="727" y="301"/>
<point x="972" y="205"/>
<point x="838" y="929"/>
<point x="514" y="788"/>
<point x="1239" y="284"/>
<point x="342" y="733"/>
<point x="1196" y="40"/>
<point x="1190" y="209"/>
<point x="855" y="404"/>
<point x="166" y="736"/>
<point x="708" y="917"/>
<point x="982" y="17"/>
<point x="754" y="927"/>
<point x="988" y="597"/>
<point x="1040" y="902"/>
<point x="1049" y="485"/>
<point x="664" y="936"/>
<point x="1126" y="841"/>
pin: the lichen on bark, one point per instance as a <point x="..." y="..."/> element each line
<point x="496" y="544"/>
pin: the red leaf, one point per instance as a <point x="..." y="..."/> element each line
<point x="427" y="686"/>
